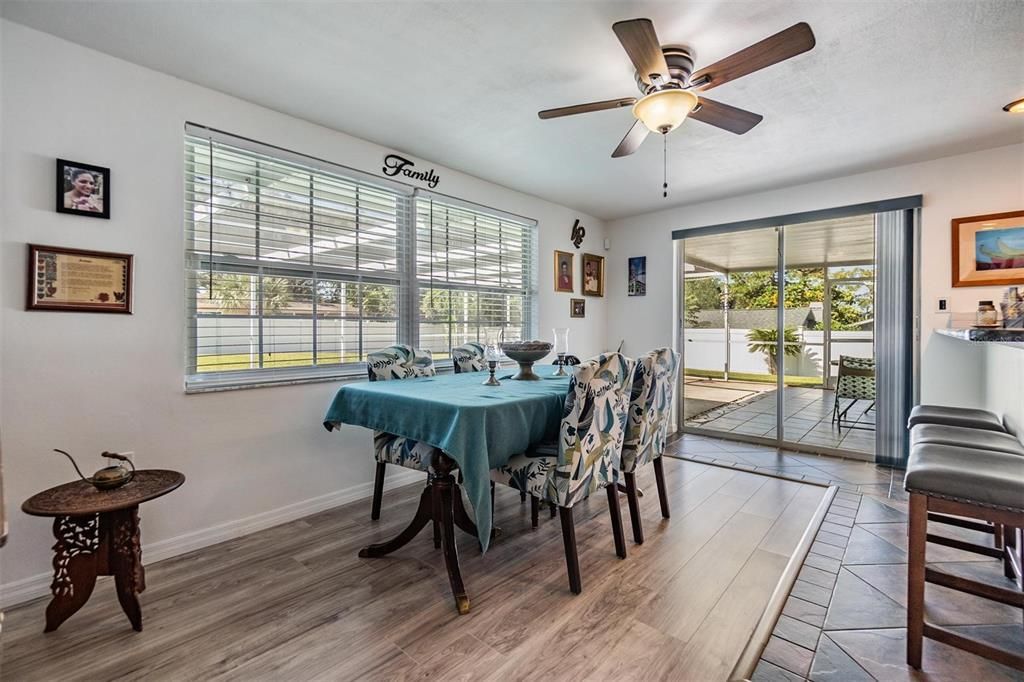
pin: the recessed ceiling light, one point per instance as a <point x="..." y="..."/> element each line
<point x="1015" y="107"/>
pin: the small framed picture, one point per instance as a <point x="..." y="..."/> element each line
<point x="637" y="276"/>
<point x="577" y="307"/>
<point x="563" y="272"/>
<point x="988" y="250"/>
<point x="593" y="275"/>
<point x="78" y="281"/>
<point x="83" y="189"/>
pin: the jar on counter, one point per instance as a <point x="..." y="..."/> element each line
<point x="987" y="316"/>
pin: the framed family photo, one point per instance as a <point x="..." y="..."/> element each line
<point x="637" y="283"/>
<point x="988" y="250"/>
<point x="563" y="272"/>
<point x="83" y="189"/>
<point x="577" y="307"/>
<point x="593" y="275"/>
<point x="73" y="280"/>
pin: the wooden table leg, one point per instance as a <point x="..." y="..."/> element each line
<point x="124" y="560"/>
<point x="424" y="515"/>
<point x="437" y="504"/>
<point x="75" y="564"/>
<point x="444" y="486"/>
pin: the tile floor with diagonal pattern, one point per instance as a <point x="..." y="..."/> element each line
<point x="845" y="618"/>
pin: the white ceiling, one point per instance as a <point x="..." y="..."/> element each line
<point x="459" y="83"/>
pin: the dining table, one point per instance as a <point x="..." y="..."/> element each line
<point x="472" y="427"/>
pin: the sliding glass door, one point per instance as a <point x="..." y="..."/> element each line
<point x="777" y="334"/>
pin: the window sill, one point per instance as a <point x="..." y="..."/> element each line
<point x="211" y="383"/>
<point x="215" y="384"/>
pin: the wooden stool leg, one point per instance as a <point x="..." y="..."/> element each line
<point x="917" y="530"/>
<point x="534" y="511"/>
<point x="378" y="491"/>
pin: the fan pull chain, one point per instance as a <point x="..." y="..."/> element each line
<point x="664" y="166"/>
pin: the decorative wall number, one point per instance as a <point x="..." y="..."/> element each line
<point x="578" y="233"/>
<point x="395" y="165"/>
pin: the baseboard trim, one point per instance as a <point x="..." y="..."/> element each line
<point x="32" y="587"/>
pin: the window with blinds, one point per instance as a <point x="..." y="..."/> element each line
<point x="474" y="272"/>
<point x="297" y="268"/>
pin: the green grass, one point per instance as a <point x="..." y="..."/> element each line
<point x="225" y="363"/>
<point x="745" y="376"/>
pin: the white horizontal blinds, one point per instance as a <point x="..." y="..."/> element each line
<point x="290" y="265"/>
<point x="474" y="271"/>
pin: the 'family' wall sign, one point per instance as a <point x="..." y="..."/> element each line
<point x="395" y="165"/>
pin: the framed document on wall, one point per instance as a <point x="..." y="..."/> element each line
<point x="78" y="281"/>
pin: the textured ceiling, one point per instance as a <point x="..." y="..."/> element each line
<point x="459" y="83"/>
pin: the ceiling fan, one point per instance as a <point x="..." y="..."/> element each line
<point x="669" y="84"/>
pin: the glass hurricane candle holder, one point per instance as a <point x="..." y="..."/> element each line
<point x="561" y="348"/>
<point x="492" y="354"/>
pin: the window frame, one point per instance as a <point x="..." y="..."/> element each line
<point x="404" y="278"/>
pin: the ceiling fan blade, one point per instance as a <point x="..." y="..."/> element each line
<point x="724" y="116"/>
<point x="641" y="44"/>
<point x="590" y="106"/>
<point x="772" y="50"/>
<point x="632" y="141"/>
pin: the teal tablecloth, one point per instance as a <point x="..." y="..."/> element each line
<point x="480" y="427"/>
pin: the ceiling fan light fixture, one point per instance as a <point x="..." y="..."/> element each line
<point x="1015" y="107"/>
<point x="663" y="110"/>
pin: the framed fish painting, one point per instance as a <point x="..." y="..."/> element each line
<point x="988" y="250"/>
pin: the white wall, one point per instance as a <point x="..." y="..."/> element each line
<point x="988" y="181"/>
<point x="86" y="383"/>
<point x="1004" y="384"/>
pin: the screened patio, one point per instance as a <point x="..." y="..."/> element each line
<point x="733" y="376"/>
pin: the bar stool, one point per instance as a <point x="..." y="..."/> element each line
<point x="979" y="439"/>
<point x="965" y="482"/>
<point x="975" y="438"/>
<point x="955" y="416"/>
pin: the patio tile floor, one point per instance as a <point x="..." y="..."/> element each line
<point x="807" y="418"/>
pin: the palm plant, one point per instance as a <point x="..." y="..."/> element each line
<point x="765" y="341"/>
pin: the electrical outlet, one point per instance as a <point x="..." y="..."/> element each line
<point x="942" y="305"/>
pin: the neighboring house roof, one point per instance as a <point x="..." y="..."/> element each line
<point x="757" y="319"/>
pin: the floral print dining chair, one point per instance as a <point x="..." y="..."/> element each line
<point x="397" y="362"/>
<point x="650" y="404"/>
<point x="469" y="357"/>
<point x="587" y="455"/>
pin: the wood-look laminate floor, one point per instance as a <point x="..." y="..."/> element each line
<point x="295" y="602"/>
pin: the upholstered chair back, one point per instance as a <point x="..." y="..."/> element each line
<point x="650" y="404"/>
<point x="469" y="357"/>
<point x="399" y="362"/>
<point x="592" y="429"/>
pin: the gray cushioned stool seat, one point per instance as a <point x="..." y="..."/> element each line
<point x="980" y="439"/>
<point x="955" y="416"/>
<point x="983" y="477"/>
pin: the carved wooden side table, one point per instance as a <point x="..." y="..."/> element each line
<point x="97" y="534"/>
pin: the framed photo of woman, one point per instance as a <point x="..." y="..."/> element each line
<point x="83" y="189"/>
<point x="593" y="275"/>
<point x="563" y="272"/>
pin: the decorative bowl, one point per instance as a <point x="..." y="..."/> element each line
<point x="526" y="353"/>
